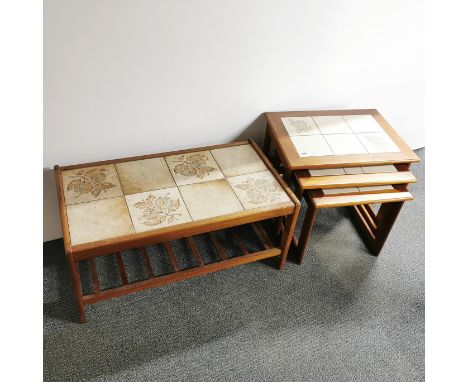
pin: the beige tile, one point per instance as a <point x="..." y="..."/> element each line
<point x="90" y="183"/>
<point x="311" y="145"/>
<point x="98" y="220"/>
<point x="353" y="170"/>
<point x="345" y="144"/>
<point x="300" y="126"/>
<point x="144" y="175"/>
<point x="258" y="190"/>
<point x="377" y="169"/>
<point x="365" y="123"/>
<point x="157" y="209"/>
<point x="378" y="143"/>
<point x="375" y="188"/>
<point x="327" y="171"/>
<point x="193" y="167"/>
<point x="332" y="124"/>
<point x="238" y="160"/>
<point x="333" y="191"/>
<point x="209" y="199"/>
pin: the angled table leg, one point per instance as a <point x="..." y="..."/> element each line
<point x="287" y="235"/>
<point x="306" y="230"/>
<point x="76" y="282"/>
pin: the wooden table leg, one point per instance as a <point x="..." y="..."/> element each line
<point x="375" y="230"/>
<point x="287" y="235"/>
<point x="267" y="143"/>
<point x="386" y="217"/>
<point x="76" y="282"/>
<point x="306" y="230"/>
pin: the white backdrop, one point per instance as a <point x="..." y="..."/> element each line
<point x="131" y="77"/>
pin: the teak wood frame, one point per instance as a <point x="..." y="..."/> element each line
<point x="374" y="228"/>
<point x="90" y="251"/>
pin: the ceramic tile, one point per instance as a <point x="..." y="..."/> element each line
<point x="209" y="199"/>
<point x="144" y="175"/>
<point x="311" y="145"/>
<point x="98" y="220"/>
<point x="157" y="209"/>
<point x="377" y="169"/>
<point x="258" y="190"/>
<point x="333" y="191"/>
<point x="332" y="124"/>
<point x="193" y="167"/>
<point x="327" y="171"/>
<point x="378" y="143"/>
<point x="90" y="183"/>
<point x="345" y="144"/>
<point x="365" y="123"/>
<point x="353" y="170"/>
<point x="300" y="126"/>
<point x="238" y="160"/>
<point x="375" y="188"/>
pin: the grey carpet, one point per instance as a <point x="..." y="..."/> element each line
<point x="343" y="315"/>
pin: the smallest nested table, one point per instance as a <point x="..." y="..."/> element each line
<point x="341" y="158"/>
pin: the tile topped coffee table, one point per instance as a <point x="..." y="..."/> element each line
<point x="112" y="206"/>
<point x="342" y="158"/>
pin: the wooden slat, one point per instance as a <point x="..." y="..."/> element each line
<point x="356" y="180"/>
<point x="370" y="211"/>
<point x="195" y="251"/>
<point x="239" y="243"/>
<point x="217" y="245"/>
<point x="147" y="261"/>
<point x="181" y="275"/>
<point x="94" y="276"/>
<point x="355" y="199"/>
<point x="120" y="264"/>
<point x="365" y="227"/>
<point x="170" y="254"/>
<point x="262" y="235"/>
<point x="368" y="217"/>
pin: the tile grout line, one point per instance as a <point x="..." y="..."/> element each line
<point x="125" y="199"/>
<point x="227" y="181"/>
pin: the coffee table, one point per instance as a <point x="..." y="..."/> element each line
<point x="111" y="206"/>
<point x="342" y="158"/>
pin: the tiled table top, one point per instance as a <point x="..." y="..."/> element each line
<point x="336" y="137"/>
<point x="122" y="198"/>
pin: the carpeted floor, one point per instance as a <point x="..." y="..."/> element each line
<point x="343" y="315"/>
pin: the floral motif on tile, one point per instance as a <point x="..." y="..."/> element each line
<point x="157" y="210"/>
<point x="193" y="165"/>
<point x="90" y="182"/>
<point x="259" y="190"/>
<point x="300" y="125"/>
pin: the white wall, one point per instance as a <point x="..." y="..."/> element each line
<point x="130" y="77"/>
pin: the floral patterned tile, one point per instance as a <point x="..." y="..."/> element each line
<point x="312" y="145"/>
<point x="378" y="143"/>
<point x="238" y="160"/>
<point x="144" y="175"/>
<point x="364" y="123"/>
<point x="375" y="188"/>
<point x="334" y="191"/>
<point x="193" y="167"/>
<point x="345" y="144"/>
<point x="90" y="183"/>
<point x="300" y="125"/>
<point x="209" y="199"/>
<point x="327" y="172"/>
<point x="332" y="124"/>
<point x="353" y="170"/>
<point x="157" y="209"/>
<point x="377" y="169"/>
<point x="258" y="190"/>
<point x="98" y="220"/>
